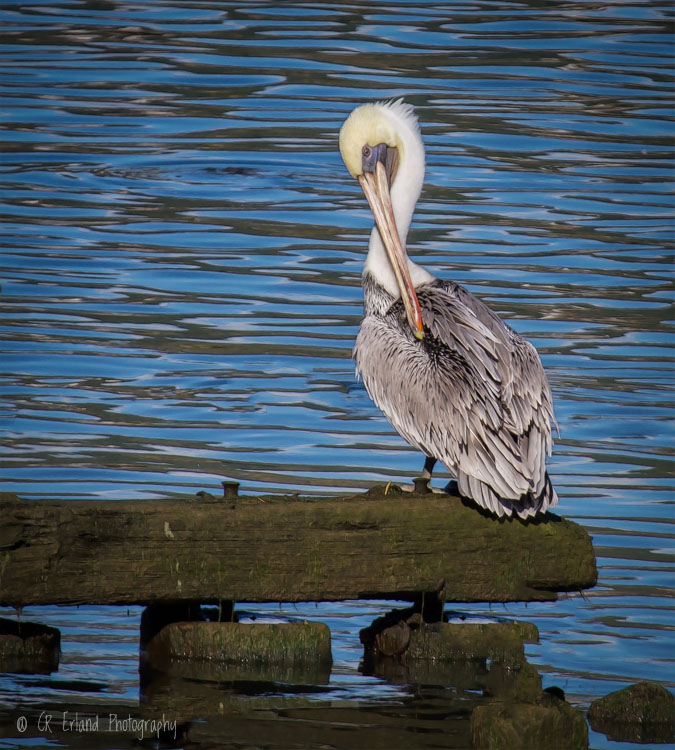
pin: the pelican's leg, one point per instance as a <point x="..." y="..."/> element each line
<point x="422" y="482"/>
<point x="429" y="463"/>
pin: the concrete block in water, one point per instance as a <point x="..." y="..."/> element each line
<point x="546" y="723"/>
<point x="644" y="712"/>
<point x="28" y="647"/>
<point x="500" y="642"/>
<point x="404" y="631"/>
<point x="401" y="647"/>
<point x="281" y="644"/>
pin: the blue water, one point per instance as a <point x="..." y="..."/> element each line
<point x="181" y="259"/>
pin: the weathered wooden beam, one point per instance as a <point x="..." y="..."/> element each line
<point x="282" y="548"/>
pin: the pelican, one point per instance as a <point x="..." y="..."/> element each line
<point x="452" y="378"/>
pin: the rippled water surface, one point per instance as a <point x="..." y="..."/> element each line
<point x="181" y="259"/>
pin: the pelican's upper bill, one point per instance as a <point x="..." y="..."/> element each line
<point x="372" y="124"/>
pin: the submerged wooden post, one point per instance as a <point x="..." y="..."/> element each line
<point x="283" y="548"/>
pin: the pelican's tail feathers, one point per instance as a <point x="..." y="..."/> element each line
<point x="527" y="506"/>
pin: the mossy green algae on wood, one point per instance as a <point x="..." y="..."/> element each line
<point x="283" y="548"/>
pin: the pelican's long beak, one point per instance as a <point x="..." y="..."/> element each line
<point x="376" y="189"/>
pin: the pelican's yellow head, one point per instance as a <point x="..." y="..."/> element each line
<point x="368" y="125"/>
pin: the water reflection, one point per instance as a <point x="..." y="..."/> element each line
<point x="182" y="252"/>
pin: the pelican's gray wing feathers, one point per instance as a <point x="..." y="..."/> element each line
<point x="472" y="393"/>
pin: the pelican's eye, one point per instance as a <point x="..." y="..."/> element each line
<point x="370" y="155"/>
<point x="387" y="155"/>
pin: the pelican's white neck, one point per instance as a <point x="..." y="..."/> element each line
<point x="405" y="192"/>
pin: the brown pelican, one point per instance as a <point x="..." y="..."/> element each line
<point x="452" y="378"/>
